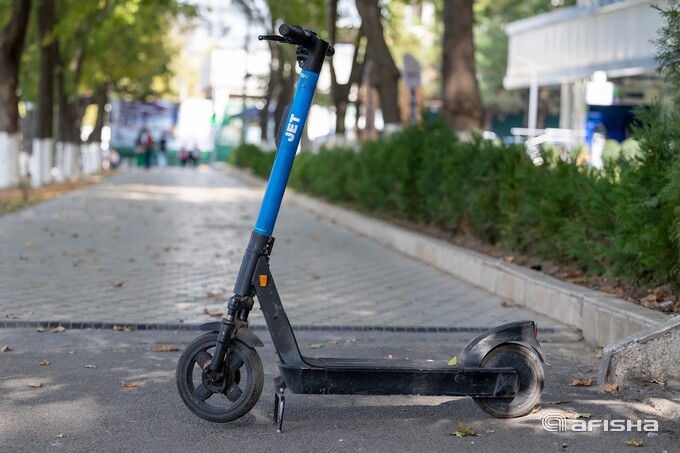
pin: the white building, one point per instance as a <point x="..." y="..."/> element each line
<point x="564" y="49"/>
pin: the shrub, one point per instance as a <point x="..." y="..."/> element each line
<point x="623" y="220"/>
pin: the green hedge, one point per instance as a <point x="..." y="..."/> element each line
<point x="621" y="221"/>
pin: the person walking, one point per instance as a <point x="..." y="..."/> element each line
<point x="146" y="142"/>
<point x="162" y="155"/>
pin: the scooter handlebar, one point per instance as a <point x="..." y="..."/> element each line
<point x="301" y="37"/>
<point x="295" y="33"/>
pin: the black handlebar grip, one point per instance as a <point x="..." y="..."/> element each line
<point x="296" y="34"/>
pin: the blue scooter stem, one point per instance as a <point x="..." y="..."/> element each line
<point x="293" y="127"/>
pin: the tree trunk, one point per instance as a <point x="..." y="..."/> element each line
<point x="48" y="54"/>
<point x="340" y="92"/>
<point x="69" y="108"/>
<point x="100" y="98"/>
<point x="388" y="73"/>
<point x="460" y="91"/>
<point x="264" y="113"/>
<point x="70" y="116"/>
<point x="42" y="147"/>
<point x="11" y="47"/>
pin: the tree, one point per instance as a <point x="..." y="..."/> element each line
<point x="12" y="36"/>
<point x="42" y="145"/>
<point x="340" y="92"/>
<point x="668" y="46"/>
<point x="387" y="74"/>
<point x="460" y="91"/>
<point x="48" y="54"/>
<point x="11" y="45"/>
<point x="281" y="83"/>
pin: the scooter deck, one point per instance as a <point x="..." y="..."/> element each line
<point x="343" y="376"/>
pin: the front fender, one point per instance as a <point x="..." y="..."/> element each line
<point x="243" y="334"/>
<point x="520" y="332"/>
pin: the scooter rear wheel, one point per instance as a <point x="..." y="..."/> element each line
<point x="530" y="376"/>
<point x="227" y="400"/>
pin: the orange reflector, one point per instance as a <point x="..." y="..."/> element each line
<point x="263" y="280"/>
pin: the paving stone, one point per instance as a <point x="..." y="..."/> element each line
<point x="151" y="247"/>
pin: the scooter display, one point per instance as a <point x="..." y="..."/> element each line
<point x="220" y="375"/>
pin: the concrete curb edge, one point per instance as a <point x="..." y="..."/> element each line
<point x="602" y="318"/>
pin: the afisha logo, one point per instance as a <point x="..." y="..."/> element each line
<point x="557" y="422"/>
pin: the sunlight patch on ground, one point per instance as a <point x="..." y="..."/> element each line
<point x="187" y="194"/>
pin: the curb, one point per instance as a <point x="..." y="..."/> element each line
<point x="602" y="318"/>
<point x="651" y="354"/>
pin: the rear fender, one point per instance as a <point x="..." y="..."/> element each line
<point x="522" y="333"/>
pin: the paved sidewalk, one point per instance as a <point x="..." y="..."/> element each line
<point x="159" y="248"/>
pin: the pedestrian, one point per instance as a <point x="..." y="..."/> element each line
<point x="162" y="155"/>
<point x="195" y="156"/>
<point x="183" y="156"/>
<point x="145" y="140"/>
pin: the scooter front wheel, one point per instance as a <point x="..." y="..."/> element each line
<point x="228" y="399"/>
<point x="530" y="377"/>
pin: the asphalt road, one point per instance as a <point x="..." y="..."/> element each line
<point x="84" y="408"/>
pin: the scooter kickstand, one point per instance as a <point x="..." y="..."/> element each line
<point x="279" y="404"/>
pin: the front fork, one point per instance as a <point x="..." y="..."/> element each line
<point x="241" y="302"/>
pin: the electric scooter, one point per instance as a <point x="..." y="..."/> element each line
<point x="220" y="375"/>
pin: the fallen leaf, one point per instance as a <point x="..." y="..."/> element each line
<point x="214" y="315"/>
<point x="633" y="443"/>
<point x="315" y="277"/>
<point x="506" y="304"/>
<point x="131" y="260"/>
<point x="90" y="366"/>
<point x="509" y="258"/>
<point x="315" y="346"/>
<point x="343" y="341"/>
<point x="315" y="237"/>
<point x="166" y="348"/>
<point x="167" y="248"/>
<point x="60" y="329"/>
<point x="559" y="402"/>
<point x="129" y="385"/>
<point x="118" y="284"/>
<point x="582" y="382"/>
<point x="5" y="349"/>
<point x="611" y="388"/>
<point x="535" y="409"/>
<point x="29" y="245"/>
<point x="453" y="361"/>
<point x="44" y="363"/>
<point x="464" y="431"/>
<point x="35" y="385"/>
<point x="598" y="354"/>
<point x="215" y="295"/>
